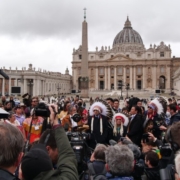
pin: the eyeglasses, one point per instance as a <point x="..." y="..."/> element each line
<point x="149" y="107"/>
<point x="34" y="101"/>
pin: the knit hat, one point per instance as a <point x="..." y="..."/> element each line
<point x="36" y="161"/>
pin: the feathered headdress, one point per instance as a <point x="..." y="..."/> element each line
<point x="160" y="104"/>
<point x="124" y="117"/>
<point x="125" y="122"/>
<point x="104" y="109"/>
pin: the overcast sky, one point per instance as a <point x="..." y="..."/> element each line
<point x="44" y="32"/>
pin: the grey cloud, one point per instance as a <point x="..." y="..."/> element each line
<point x="63" y="18"/>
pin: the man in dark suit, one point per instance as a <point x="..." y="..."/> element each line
<point x="135" y="126"/>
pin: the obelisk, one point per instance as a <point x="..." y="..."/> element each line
<point x="84" y="79"/>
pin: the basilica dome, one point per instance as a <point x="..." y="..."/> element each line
<point x="127" y="35"/>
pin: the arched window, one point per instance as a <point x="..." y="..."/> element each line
<point x="162" y="83"/>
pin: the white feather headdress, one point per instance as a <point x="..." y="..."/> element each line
<point x="101" y="106"/>
<point x="126" y="120"/>
<point x="158" y="105"/>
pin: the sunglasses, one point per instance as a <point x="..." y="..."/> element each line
<point x="149" y="107"/>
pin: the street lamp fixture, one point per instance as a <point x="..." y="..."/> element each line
<point x="127" y="88"/>
<point x="120" y="84"/>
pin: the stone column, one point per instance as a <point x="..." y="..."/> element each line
<point x="154" y="78"/>
<point x="167" y="81"/>
<point x="96" y="79"/>
<point x="34" y="87"/>
<point x="37" y="87"/>
<point x="124" y="78"/>
<point x="115" y="78"/>
<point x="144" y="77"/>
<point x="109" y="78"/>
<point x="134" y="77"/>
<point x="105" y="77"/>
<point x="3" y="86"/>
<point x="44" y="88"/>
<point x="9" y="86"/>
<point x="131" y="77"/>
<point x="24" y="86"/>
<point x="75" y="83"/>
<point x="15" y="82"/>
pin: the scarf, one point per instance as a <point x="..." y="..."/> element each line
<point x="101" y="127"/>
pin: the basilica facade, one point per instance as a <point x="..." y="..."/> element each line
<point x="126" y="64"/>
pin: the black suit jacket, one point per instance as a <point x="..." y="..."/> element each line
<point x="135" y="129"/>
<point x="96" y="136"/>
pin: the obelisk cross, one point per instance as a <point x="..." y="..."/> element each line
<point x="84" y="13"/>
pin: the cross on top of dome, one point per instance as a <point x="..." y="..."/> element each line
<point x="127" y="23"/>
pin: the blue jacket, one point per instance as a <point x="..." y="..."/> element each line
<point x="109" y="176"/>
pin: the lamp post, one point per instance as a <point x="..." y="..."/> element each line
<point x="120" y="84"/>
<point x="127" y="88"/>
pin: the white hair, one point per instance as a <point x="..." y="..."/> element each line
<point x="177" y="163"/>
<point x="120" y="160"/>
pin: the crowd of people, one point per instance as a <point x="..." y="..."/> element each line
<point x="138" y="141"/>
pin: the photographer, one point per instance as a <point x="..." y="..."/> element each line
<point x="119" y="162"/>
<point x="151" y="171"/>
<point x="68" y="120"/>
<point x="64" y="112"/>
<point x="96" y="166"/>
<point x="48" y="139"/>
<point x="33" y="127"/>
<point x="37" y="166"/>
<point x="11" y="150"/>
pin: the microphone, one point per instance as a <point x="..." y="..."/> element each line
<point x="112" y="142"/>
<point x="66" y="127"/>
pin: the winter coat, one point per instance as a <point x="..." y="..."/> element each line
<point x="111" y="177"/>
<point x="174" y="118"/>
<point x="5" y="175"/>
<point x="152" y="173"/>
<point x="96" y="136"/>
<point x="67" y="163"/>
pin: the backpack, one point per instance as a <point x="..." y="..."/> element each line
<point x="93" y="175"/>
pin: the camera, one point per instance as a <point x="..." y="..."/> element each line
<point x="76" y="117"/>
<point x="42" y="110"/>
<point x="80" y="148"/>
<point x="122" y="139"/>
<point x="145" y="137"/>
<point x="166" y="150"/>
